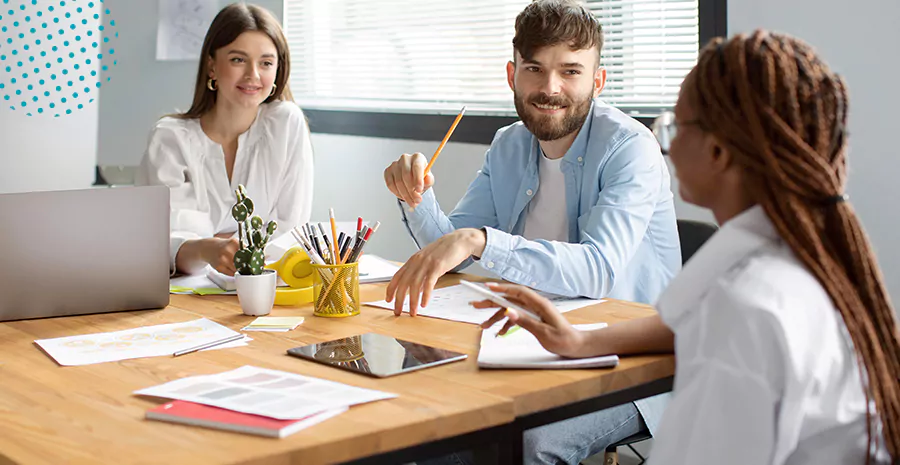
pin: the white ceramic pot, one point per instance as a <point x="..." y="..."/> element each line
<point x="256" y="292"/>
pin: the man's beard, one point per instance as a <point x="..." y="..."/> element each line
<point x="548" y="127"/>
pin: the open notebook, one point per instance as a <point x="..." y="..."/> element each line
<point x="520" y="349"/>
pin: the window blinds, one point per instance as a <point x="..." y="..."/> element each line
<point x="433" y="56"/>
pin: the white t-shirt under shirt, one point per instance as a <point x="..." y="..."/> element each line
<point x="546" y="216"/>
<point x="274" y="162"/>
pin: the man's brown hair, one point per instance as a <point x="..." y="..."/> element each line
<point x="550" y="22"/>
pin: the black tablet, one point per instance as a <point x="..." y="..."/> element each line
<point x="376" y="355"/>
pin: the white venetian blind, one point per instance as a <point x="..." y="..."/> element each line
<point x="433" y="56"/>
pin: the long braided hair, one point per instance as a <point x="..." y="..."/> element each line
<point x="782" y="113"/>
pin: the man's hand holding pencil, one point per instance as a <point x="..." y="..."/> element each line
<point x="410" y="176"/>
<point x="406" y="178"/>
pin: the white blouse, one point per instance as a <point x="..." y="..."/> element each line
<point x="274" y="161"/>
<point x="766" y="371"/>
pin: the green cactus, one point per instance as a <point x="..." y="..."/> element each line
<point x="257" y="262"/>
<point x="242" y="259"/>
<point x="239" y="212"/>
<point x="250" y="259"/>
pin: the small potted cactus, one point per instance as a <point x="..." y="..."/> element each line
<point x="255" y="284"/>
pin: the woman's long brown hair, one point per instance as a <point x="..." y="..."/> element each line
<point x="782" y="113"/>
<point x="232" y="21"/>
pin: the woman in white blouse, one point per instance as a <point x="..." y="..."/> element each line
<point x="786" y="343"/>
<point x="242" y="128"/>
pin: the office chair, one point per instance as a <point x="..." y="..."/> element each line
<point x="692" y="235"/>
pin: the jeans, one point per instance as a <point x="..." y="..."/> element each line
<point x="568" y="441"/>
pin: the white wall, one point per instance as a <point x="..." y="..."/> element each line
<point x="362" y="160"/>
<point x="34" y="162"/>
<point x="858" y="40"/>
<point x="42" y="152"/>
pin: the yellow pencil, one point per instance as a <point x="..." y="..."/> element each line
<point x="334" y="242"/>
<point x="446" y="138"/>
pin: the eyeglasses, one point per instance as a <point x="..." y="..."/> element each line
<point x="665" y="128"/>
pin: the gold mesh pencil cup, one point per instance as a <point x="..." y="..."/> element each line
<point x="336" y="290"/>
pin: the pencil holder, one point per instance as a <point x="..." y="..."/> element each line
<point x="336" y="290"/>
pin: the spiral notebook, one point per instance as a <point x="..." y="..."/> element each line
<point x="520" y="349"/>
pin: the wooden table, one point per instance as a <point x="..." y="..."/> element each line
<point x="87" y="414"/>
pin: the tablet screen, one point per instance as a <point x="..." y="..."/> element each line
<point x="376" y="354"/>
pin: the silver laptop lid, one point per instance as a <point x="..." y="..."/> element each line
<point x="85" y="251"/>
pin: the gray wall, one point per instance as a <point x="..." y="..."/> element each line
<point x="852" y="44"/>
<point x="859" y="41"/>
<point x="147" y="89"/>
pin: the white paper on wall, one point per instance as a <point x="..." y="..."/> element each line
<point x="182" y="27"/>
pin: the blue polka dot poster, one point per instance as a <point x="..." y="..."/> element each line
<point x="55" y="56"/>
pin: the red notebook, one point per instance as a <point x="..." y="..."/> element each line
<point x="190" y="413"/>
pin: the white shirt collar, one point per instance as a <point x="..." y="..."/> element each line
<point x="735" y="240"/>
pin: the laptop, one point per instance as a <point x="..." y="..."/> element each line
<point x="84" y="251"/>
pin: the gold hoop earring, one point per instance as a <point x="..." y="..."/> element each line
<point x="273" y="90"/>
<point x="211" y="84"/>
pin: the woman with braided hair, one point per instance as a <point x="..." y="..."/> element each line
<point x="787" y="345"/>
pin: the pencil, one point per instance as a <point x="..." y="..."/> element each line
<point x="324" y="236"/>
<point x="446" y="138"/>
<point x="345" y="250"/>
<point x="310" y="251"/>
<point x="228" y="339"/>
<point x="337" y="256"/>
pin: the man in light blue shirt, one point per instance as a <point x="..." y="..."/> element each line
<point x="574" y="200"/>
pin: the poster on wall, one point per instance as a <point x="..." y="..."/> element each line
<point x="182" y="27"/>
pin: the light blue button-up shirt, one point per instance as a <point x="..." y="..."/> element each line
<point x="623" y="239"/>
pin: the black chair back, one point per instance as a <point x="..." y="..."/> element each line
<point x="692" y="235"/>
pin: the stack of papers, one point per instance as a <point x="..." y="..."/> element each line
<point x="520" y="349"/>
<point x="149" y="341"/>
<point x="453" y="303"/>
<point x="199" y="284"/>
<point x="270" y="393"/>
<point x="274" y="323"/>
<point x="372" y="269"/>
